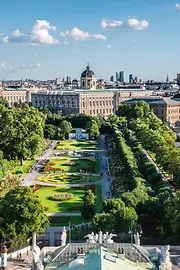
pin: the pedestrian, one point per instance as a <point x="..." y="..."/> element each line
<point x="20" y="255"/>
<point x="17" y="255"/>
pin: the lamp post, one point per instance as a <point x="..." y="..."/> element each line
<point x="69" y="230"/>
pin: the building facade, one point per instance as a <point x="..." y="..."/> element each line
<point x="16" y="96"/>
<point x="91" y="102"/>
<point x="88" y="79"/>
<point x="166" y="109"/>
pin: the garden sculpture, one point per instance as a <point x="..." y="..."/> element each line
<point x="63" y="237"/>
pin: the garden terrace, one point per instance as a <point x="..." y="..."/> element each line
<point x="67" y="178"/>
<point x="77" y="145"/>
<point x="91" y="165"/>
<point x="44" y="194"/>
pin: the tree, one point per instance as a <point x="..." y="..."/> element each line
<point x="65" y="128"/>
<point x="93" y="129"/>
<point x="21" y="214"/>
<point x="50" y="131"/>
<point x="113" y="119"/>
<point x="89" y="205"/>
<point x="21" y="132"/>
<point x="172" y="213"/>
<point x="103" y="222"/>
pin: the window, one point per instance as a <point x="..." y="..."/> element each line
<point x="94" y="112"/>
<point x="90" y="104"/>
<point x="90" y="112"/>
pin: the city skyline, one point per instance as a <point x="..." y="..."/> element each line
<point x="52" y="40"/>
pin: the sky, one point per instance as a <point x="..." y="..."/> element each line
<point x="48" y="39"/>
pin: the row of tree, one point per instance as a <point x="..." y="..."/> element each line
<point x="154" y="135"/>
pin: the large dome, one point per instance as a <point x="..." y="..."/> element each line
<point x="88" y="72"/>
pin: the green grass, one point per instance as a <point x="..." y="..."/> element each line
<point x="91" y="165"/>
<point x="24" y="168"/>
<point x="99" y="203"/>
<point x="77" y="145"/>
<point x="67" y="179"/>
<point x="44" y="195"/>
<point x="64" y="221"/>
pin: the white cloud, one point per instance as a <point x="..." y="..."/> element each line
<point x="27" y="68"/>
<point x="137" y="25"/>
<point x="5" y="39"/>
<point x="38" y="65"/>
<point x="3" y="65"/>
<point x="108" y="46"/>
<point x="51" y="55"/>
<point x="77" y="34"/>
<point x="66" y="42"/>
<point x="177" y="6"/>
<point x="64" y="34"/>
<point x="17" y="33"/>
<point x="131" y="23"/>
<point x="40" y="33"/>
<point x="106" y="24"/>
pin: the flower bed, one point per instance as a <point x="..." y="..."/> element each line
<point x="61" y="196"/>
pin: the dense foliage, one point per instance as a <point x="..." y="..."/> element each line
<point x="89" y="205"/>
<point x="21" y="132"/>
<point x="21" y="214"/>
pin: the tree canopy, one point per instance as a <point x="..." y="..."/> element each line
<point x="21" y="214"/>
<point x="21" y="132"/>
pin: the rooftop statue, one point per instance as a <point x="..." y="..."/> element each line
<point x="100" y="238"/>
<point x="165" y="263"/>
<point x="63" y="237"/>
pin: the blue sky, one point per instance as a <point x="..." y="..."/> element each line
<point x="45" y="39"/>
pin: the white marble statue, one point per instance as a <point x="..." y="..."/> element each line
<point x="63" y="237"/>
<point x="137" y="239"/>
<point x="108" y="239"/>
<point x="100" y="238"/>
<point x="91" y="238"/>
<point x="165" y="263"/>
<point x="36" y="258"/>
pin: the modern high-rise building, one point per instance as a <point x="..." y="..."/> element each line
<point x="57" y="81"/>
<point x="121" y="76"/>
<point x="68" y="79"/>
<point x="117" y="76"/>
<point x="178" y="79"/>
<point x="136" y="79"/>
<point x="112" y="79"/>
<point x="130" y="78"/>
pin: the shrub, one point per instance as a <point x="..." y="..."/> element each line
<point x="62" y="196"/>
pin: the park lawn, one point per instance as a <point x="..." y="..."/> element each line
<point x="91" y="165"/>
<point x="66" y="221"/>
<point x="44" y="195"/>
<point x="77" y="145"/>
<point x="67" y="178"/>
<point x="99" y="202"/>
<point x="24" y="168"/>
